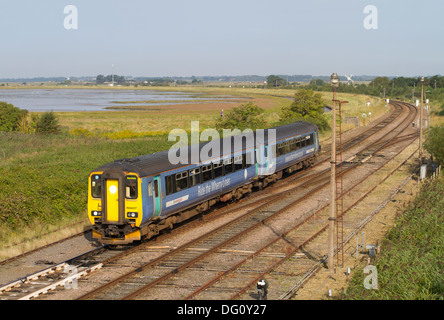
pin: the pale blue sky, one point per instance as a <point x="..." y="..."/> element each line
<point x="207" y="37"/>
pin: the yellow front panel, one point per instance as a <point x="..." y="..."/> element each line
<point x="112" y="200"/>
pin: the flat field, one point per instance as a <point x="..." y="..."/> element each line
<point x="162" y="118"/>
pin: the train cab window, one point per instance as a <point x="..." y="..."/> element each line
<point x="207" y="173"/>
<point x="218" y="170"/>
<point x="131" y="187"/>
<point x="195" y="177"/>
<point x="181" y="180"/>
<point x="228" y="165"/>
<point x="238" y="165"/>
<point x="96" y="186"/>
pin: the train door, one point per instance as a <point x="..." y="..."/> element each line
<point x="112" y="200"/>
<point x="270" y="153"/>
<point x="256" y="161"/>
<point x="262" y="160"/>
<point x="157" y="197"/>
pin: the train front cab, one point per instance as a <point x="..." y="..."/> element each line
<point x="115" y="207"/>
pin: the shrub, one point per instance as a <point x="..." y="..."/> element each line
<point x="11" y="117"/>
<point x="434" y="143"/>
<point x="48" y="123"/>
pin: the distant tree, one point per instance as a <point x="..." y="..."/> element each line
<point x="317" y="82"/>
<point x="11" y="117"/>
<point x="244" y="116"/>
<point x="196" y="81"/>
<point x="380" y="82"/>
<point x="275" y="81"/>
<point x="100" y="79"/>
<point x="47" y="123"/>
<point x="307" y="106"/>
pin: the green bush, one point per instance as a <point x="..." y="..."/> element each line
<point x="434" y="143"/>
<point x="48" y="123"/>
<point x="11" y="117"/>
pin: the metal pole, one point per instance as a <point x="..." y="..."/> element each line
<point x="339" y="196"/>
<point x="332" y="217"/>
<point x="420" y="119"/>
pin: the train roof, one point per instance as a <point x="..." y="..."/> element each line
<point x="155" y="163"/>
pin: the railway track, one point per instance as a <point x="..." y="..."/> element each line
<point x="160" y="277"/>
<point x="268" y="205"/>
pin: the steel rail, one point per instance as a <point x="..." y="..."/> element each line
<point x="218" y="277"/>
<point x="174" y="272"/>
<point x="116" y="281"/>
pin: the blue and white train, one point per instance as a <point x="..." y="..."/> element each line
<point x="134" y="199"/>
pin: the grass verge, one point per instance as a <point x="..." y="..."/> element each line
<point x="411" y="263"/>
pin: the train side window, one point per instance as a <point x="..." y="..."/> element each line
<point x="249" y="161"/>
<point x="131" y="187"/>
<point x="293" y="145"/>
<point x="181" y="180"/>
<point x="287" y="148"/>
<point x="150" y="192"/>
<point x="228" y="165"/>
<point x="170" y="187"/>
<point x="96" y="186"/>
<point x="238" y="163"/>
<point x="195" y="177"/>
<point x="271" y="152"/>
<point x="207" y="173"/>
<point x="218" y="170"/>
<point x="298" y="144"/>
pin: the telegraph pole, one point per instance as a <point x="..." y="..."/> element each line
<point x="334" y="82"/>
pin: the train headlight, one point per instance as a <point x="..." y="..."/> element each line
<point x="132" y="214"/>
<point x="96" y="213"/>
